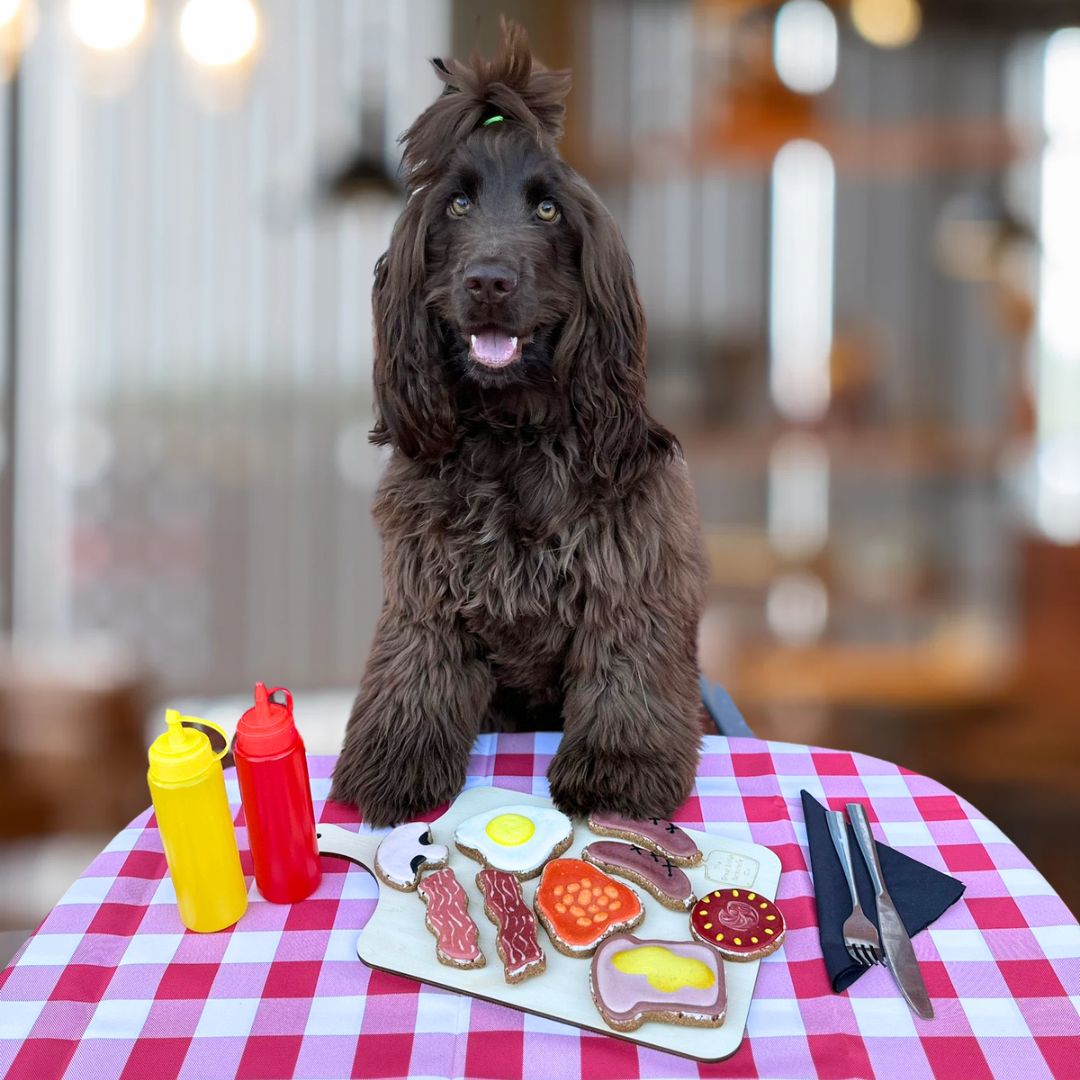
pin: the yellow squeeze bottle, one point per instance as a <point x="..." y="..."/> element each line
<point x="187" y="786"/>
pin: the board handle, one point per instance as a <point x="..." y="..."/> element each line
<point x="357" y="847"/>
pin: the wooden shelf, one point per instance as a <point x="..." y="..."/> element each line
<point x="747" y="121"/>
<point x="902" y="451"/>
<point x="932" y="674"/>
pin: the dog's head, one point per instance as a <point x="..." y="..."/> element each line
<point x="506" y="278"/>
<point x="503" y="244"/>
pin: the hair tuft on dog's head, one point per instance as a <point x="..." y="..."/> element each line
<point x="513" y="85"/>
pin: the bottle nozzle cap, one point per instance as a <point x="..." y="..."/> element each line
<point x="262" y="701"/>
<point x="175" y="729"/>
<point x="180" y="752"/>
<point x="268" y="727"/>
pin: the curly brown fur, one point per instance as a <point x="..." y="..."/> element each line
<point x="542" y="557"/>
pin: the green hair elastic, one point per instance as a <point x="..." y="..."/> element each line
<point x="493" y="120"/>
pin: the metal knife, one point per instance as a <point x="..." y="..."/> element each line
<point x="899" y="955"/>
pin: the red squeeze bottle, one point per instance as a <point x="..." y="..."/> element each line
<point x="274" y="788"/>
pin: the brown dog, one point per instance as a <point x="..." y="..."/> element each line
<point x="542" y="556"/>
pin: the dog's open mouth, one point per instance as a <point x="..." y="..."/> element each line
<point x="494" y="348"/>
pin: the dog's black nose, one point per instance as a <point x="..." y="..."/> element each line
<point x="490" y="283"/>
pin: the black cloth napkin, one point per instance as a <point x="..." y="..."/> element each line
<point x="921" y="893"/>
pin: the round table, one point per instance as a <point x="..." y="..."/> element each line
<point x="111" y="985"/>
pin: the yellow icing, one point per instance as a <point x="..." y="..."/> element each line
<point x="751" y="896"/>
<point x="510" y="830"/>
<point x="738" y="941"/>
<point x="666" y="971"/>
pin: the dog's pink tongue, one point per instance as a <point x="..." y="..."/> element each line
<point x="493" y="347"/>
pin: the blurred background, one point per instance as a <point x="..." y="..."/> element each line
<point x="856" y="225"/>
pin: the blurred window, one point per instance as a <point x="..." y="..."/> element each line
<point x="1058" y="357"/>
<point x="195" y="351"/>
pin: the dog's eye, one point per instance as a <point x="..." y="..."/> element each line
<point x="459" y="206"/>
<point x="547" y="210"/>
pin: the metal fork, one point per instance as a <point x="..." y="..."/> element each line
<point x="860" y="935"/>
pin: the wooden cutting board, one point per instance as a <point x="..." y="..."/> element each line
<point x="396" y="940"/>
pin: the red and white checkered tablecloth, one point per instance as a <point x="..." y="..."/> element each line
<point x="111" y="984"/>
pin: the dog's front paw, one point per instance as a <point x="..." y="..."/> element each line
<point x="636" y="783"/>
<point x="389" y="783"/>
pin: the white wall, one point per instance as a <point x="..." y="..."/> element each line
<point x="195" y="343"/>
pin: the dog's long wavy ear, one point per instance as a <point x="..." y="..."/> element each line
<point x="412" y="401"/>
<point x="605" y="343"/>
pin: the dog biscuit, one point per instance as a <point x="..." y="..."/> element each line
<point x="739" y="924"/>
<point x="674" y="982"/>
<point x="657" y="834"/>
<point x="405" y="853"/>
<point x="580" y="905"/>
<point x="457" y="939"/>
<point x="516" y="936"/>
<point x="657" y="874"/>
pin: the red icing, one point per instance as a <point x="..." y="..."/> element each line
<point x="737" y="920"/>
<point x="448" y="915"/>
<point x="518" y="944"/>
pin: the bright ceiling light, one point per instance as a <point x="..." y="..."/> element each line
<point x="107" y="25"/>
<point x="804" y="46"/>
<point x="798" y="496"/>
<point x="801" y="271"/>
<point x="888" y="24"/>
<point x="18" y="24"/>
<point x="797" y="608"/>
<point x="219" y="33"/>
<point x="9" y="9"/>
